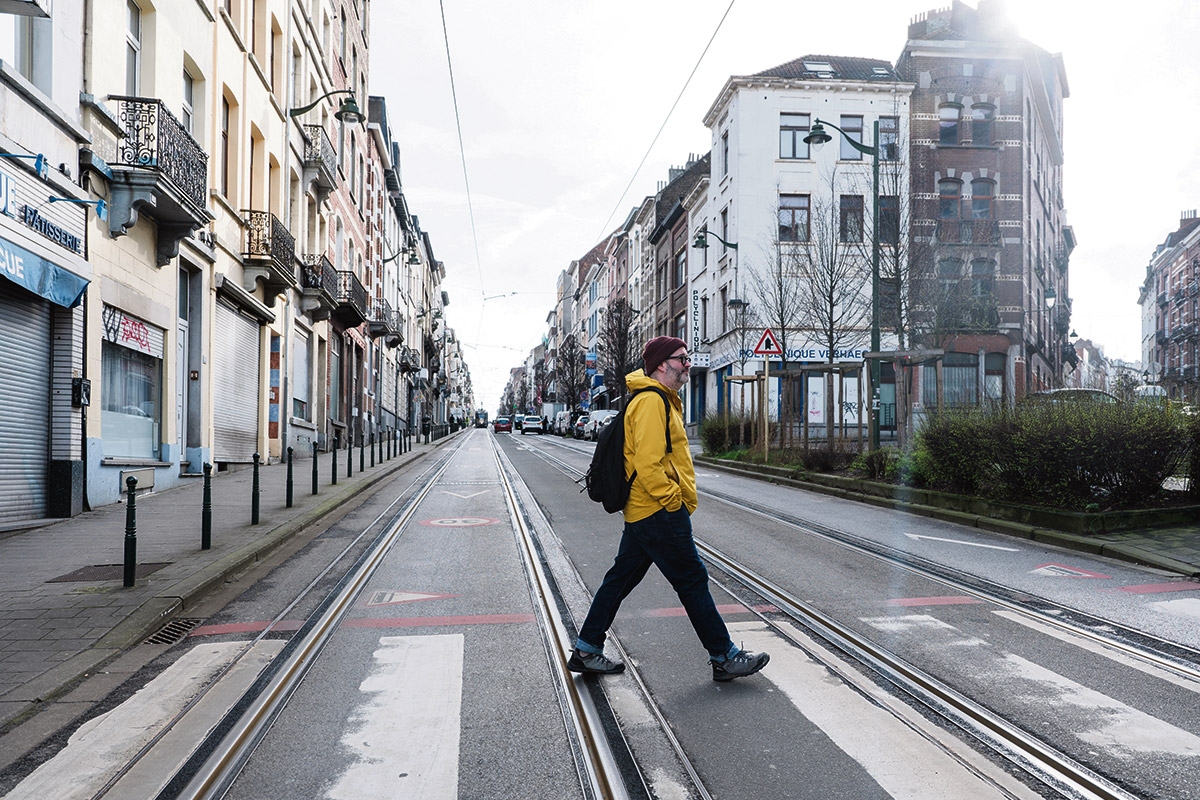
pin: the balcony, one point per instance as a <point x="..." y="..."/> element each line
<point x="320" y="161"/>
<point x="270" y="255"/>
<point x="384" y="322"/>
<point x="1161" y="337"/>
<point x="160" y="170"/>
<point x="410" y="360"/>
<point x="1162" y="298"/>
<point x="318" y="285"/>
<point x="968" y="231"/>
<point x="351" y="309"/>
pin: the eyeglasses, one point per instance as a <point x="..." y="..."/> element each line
<point x="683" y="360"/>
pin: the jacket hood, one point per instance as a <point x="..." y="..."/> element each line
<point x="639" y="380"/>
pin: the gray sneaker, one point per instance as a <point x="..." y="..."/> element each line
<point x="597" y="663"/>
<point x="739" y="666"/>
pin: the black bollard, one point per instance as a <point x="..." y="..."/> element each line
<point x="379" y="438"/>
<point x="391" y="444"/>
<point x="254" y="493"/>
<point x="349" y="454"/>
<point x="337" y="445"/>
<point x="131" y="532"/>
<point x="289" y="479"/>
<point x="372" y="449"/>
<point x="206" y="510"/>
<point x="362" y="452"/>
<point x="314" y="469"/>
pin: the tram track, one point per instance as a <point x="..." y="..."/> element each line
<point x="1029" y="754"/>
<point x="217" y="760"/>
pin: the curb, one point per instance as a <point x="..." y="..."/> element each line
<point x="1069" y="541"/>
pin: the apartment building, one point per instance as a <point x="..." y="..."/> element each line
<point x="224" y="267"/>
<point x="1170" y="301"/>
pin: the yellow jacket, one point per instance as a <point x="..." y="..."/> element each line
<point x="664" y="480"/>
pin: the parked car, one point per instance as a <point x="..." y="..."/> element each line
<point x="502" y="425"/>
<point x="562" y="423"/>
<point x="595" y="419"/>
<point x="531" y="424"/>
<point x="1056" y="397"/>
<point x="580" y="424"/>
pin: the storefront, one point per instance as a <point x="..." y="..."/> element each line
<point x="42" y="384"/>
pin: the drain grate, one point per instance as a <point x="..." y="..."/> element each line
<point x="108" y="572"/>
<point x="174" y="631"/>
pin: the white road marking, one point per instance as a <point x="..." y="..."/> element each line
<point x="104" y="744"/>
<point x="1120" y="729"/>
<point x="1187" y="607"/>
<point x="405" y="734"/>
<point x="910" y="767"/>
<point x="465" y="496"/>
<point x="1095" y="647"/>
<point x="959" y="541"/>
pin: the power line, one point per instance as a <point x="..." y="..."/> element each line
<point x="642" y="163"/>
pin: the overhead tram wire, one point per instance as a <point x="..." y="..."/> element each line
<point x="461" y="150"/>
<point x="642" y="163"/>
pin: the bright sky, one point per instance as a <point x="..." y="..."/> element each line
<point x="559" y="103"/>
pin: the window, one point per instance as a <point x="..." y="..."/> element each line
<point x="792" y="130"/>
<point x="948" y="119"/>
<point x="889" y="139"/>
<point x="680" y="276"/>
<point x="724" y="309"/>
<point x="983" y="276"/>
<point x="301" y="378"/>
<point x="982" y="192"/>
<point x="949" y="273"/>
<point x="949" y="196"/>
<point x="793" y="218"/>
<point x="852" y="126"/>
<point x="189" y="93"/>
<point x="342" y="40"/>
<point x="703" y="319"/>
<point x="724" y="153"/>
<point x="889" y="219"/>
<point x="131" y="373"/>
<point x="226" y="155"/>
<point x="850" y="218"/>
<point x="133" y="50"/>
<point x="960" y="380"/>
<point x="983" y="122"/>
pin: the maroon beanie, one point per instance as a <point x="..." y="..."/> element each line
<point x="657" y="350"/>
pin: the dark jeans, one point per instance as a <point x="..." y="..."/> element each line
<point x="665" y="540"/>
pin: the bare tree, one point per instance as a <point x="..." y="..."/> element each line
<point x="834" y="301"/>
<point x="616" y="350"/>
<point x="570" y="372"/>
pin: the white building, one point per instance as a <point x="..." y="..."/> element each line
<point x="774" y="202"/>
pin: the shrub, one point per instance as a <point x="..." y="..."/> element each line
<point x="719" y="434"/>
<point x="875" y="464"/>
<point x="1071" y="455"/>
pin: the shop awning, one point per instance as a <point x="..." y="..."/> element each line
<point x="44" y="278"/>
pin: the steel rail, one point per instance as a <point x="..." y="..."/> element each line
<point x="215" y="764"/>
<point x="1025" y="750"/>
<point x="594" y="761"/>
<point x="631" y="669"/>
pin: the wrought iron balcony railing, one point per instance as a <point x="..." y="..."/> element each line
<point x="319" y="284"/>
<point x="269" y="255"/>
<point x="384" y="321"/>
<point x="154" y="139"/>
<point x="351" y="300"/>
<point x="320" y="160"/>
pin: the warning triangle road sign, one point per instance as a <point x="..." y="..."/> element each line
<point x="768" y="345"/>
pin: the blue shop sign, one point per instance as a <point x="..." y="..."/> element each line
<point x="42" y="277"/>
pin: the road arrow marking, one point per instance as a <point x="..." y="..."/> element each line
<point x="958" y="541"/>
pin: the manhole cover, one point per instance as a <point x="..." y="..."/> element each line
<point x="107" y="572"/>
<point x="174" y="631"/>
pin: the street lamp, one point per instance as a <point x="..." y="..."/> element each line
<point x="348" y="110"/>
<point x="818" y="137"/>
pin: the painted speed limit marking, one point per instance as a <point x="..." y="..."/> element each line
<point x="460" y="522"/>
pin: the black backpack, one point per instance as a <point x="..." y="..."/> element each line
<point x="605" y="479"/>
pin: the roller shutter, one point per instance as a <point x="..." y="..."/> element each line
<point x="236" y="374"/>
<point x="25" y="398"/>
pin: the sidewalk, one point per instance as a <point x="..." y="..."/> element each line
<point x="63" y="607"/>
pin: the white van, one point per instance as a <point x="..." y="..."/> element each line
<point x="562" y="424"/>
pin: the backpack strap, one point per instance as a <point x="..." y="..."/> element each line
<point x="666" y="405"/>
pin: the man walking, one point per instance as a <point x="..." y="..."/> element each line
<point x="658" y="525"/>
